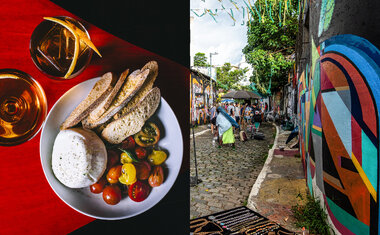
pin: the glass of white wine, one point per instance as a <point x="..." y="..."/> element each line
<point x="23" y="107"/>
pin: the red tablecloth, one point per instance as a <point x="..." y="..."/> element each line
<point x="27" y="203"/>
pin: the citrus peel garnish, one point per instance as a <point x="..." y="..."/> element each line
<point x="79" y="35"/>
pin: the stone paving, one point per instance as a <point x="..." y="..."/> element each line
<point x="284" y="185"/>
<point x="227" y="175"/>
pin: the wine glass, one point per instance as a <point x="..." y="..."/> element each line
<point x="52" y="48"/>
<point x="23" y="107"/>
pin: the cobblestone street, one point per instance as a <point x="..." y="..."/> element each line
<point x="227" y="175"/>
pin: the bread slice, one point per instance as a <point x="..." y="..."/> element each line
<point x="116" y="131"/>
<point x="103" y="106"/>
<point x="97" y="94"/>
<point x="145" y="88"/>
<point x="133" y="83"/>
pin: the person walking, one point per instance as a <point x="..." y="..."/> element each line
<point x="231" y="110"/>
<point x="237" y="113"/>
<point x="226" y="135"/>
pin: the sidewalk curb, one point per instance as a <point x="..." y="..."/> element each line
<point x="260" y="178"/>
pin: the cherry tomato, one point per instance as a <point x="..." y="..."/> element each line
<point x="112" y="194"/>
<point x="114" y="174"/>
<point x="112" y="158"/>
<point x="98" y="186"/>
<point x="128" y="143"/>
<point x="148" y="136"/>
<point x="138" y="191"/>
<point x="157" y="157"/>
<point x="140" y="152"/>
<point x="157" y="177"/>
<point x="142" y="170"/>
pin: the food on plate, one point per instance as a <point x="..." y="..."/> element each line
<point x="98" y="93"/>
<point x="112" y="194"/>
<point x="138" y="191"/>
<point x="148" y="136"/>
<point x="98" y="186"/>
<point x="157" y="157"/>
<point x="96" y="113"/>
<point x="79" y="157"/>
<point x="119" y="129"/>
<point x="114" y="174"/>
<point x="145" y="88"/>
<point x="132" y="84"/>
<point x="142" y="170"/>
<point x="132" y="163"/>
<point x="156" y="178"/>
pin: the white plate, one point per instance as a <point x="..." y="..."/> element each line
<point x="91" y="204"/>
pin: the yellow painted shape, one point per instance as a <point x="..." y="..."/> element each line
<point x="366" y="181"/>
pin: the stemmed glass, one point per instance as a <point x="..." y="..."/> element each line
<point x="23" y="107"/>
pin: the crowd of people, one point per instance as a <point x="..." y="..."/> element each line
<point x="234" y="118"/>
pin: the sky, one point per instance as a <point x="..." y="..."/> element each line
<point x="222" y="37"/>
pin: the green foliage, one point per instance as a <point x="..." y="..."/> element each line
<point x="271" y="39"/>
<point x="200" y="59"/>
<point x="311" y="216"/>
<point x="229" y="78"/>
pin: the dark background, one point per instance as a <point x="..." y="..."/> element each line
<point x="161" y="27"/>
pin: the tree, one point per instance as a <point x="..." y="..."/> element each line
<point x="229" y="77"/>
<point x="200" y="59"/>
<point x="271" y="42"/>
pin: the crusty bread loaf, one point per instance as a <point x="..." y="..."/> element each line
<point x="103" y="106"/>
<point x="145" y="88"/>
<point x="116" y="131"/>
<point x="133" y="83"/>
<point x="97" y="94"/>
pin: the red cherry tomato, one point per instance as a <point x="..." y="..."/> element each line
<point x="112" y="158"/>
<point x="98" y="186"/>
<point x="112" y="194"/>
<point x="140" y="152"/>
<point x="128" y="143"/>
<point x="138" y="191"/>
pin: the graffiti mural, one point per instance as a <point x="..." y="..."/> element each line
<point x="339" y="110"/>
<point x="325" y="15"/>
<point x="200" y="97"/>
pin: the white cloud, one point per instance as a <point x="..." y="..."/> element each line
<point x="222" y="37"/>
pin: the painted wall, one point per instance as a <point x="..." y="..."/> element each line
<point x="338" y="110"/>
<point x="200" y="98"/>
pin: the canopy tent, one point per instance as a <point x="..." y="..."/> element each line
<point x="241" y="95"/>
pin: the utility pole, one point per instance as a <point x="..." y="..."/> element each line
<point x="210" y="70"/>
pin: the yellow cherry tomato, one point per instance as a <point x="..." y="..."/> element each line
<point x="125" y="158"/>
<point x="157" y="157"/>
<point x="128" y="175"/>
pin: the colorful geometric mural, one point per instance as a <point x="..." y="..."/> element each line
<point x="339" y="110"/>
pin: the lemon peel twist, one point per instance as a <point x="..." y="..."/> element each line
<point x="79" y="35"/>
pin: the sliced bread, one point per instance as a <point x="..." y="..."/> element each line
<point x="116" y="131"/>
<point x="145" y="88"/>
<point x="103" y="106"/>
<point x="133" y="83"/>
<point x="98" y="93"/>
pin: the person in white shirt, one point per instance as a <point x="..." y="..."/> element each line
<point x="231" y="110"/>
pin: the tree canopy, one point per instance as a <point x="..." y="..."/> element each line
<point x="200" y="60"/>
<point x="229" y="77"/>
<point x="271" y="40"/>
